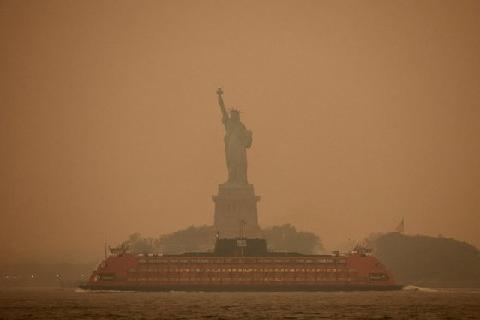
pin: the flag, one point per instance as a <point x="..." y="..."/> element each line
<point x="401" y="227"/>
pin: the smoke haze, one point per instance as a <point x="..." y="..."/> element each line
<point x="363" y="113"/>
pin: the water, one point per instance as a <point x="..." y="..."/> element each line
<point x="412" y="303"/>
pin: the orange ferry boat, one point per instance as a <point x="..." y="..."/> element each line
<point x="241" y="264"/>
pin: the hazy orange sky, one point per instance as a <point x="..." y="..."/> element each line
<point x="362" y="112"/>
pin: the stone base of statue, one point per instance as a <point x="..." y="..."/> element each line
<point x="236" y="211"/>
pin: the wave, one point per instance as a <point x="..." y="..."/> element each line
<point x="415" y="288"/>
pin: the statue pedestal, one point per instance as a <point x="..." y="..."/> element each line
<point x="236" y="211"/>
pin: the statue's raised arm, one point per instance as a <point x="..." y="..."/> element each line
<point x="222" y="105"/>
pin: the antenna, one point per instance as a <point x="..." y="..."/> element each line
<point x="242" y="229"/>
<point x="242" y="240"/>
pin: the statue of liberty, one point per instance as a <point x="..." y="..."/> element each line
<point x="237" y="140"/>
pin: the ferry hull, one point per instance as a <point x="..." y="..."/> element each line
<point x="242" y="288"/>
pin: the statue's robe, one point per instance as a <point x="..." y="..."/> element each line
<point x="237" y="140"/>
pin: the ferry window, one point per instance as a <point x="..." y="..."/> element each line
<point x="107" y="276"/>
<point x="377" y="276"/>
